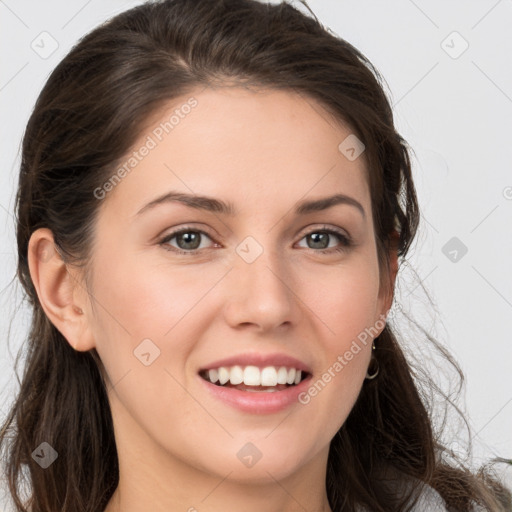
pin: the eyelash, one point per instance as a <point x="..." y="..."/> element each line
<point x="346" y="242"/>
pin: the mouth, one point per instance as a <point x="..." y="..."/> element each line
<point x="253" y="378"/>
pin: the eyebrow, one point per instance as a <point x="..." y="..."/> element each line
<point x="214" y="205"/>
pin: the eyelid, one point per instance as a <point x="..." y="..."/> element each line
<point x="184" y="229"/>
<point x="325" y="227"/>
<point x="346" y="242"/>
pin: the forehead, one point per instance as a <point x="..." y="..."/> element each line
<point x="250" y="147"/>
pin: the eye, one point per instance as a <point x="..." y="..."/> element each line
<point x="187" y="239"/>
<point x="320" y="239"/>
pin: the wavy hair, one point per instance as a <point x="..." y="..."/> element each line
<point x="86" y="118"/>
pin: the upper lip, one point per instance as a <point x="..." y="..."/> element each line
<point x="260" y="360"/>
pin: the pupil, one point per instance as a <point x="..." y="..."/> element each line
<point x="189" y="237"/>
<point x="315" y="237"/>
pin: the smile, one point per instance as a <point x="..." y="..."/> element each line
<point x="252" y="378"/>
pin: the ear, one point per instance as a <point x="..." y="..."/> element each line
<point x="62" y="297"/>
<point x="387" y="292"/>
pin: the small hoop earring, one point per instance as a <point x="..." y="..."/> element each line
<point x="375" y="363"/>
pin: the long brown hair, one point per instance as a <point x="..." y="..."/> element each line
<point x="87" y="117"/>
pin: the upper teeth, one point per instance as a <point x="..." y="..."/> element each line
<point x="254" y="376"/>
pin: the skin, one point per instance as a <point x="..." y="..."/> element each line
<point x="263" y="151"/>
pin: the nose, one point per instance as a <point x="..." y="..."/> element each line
<point x="261" y="293"/>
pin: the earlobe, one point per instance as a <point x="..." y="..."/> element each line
<point x="56" y="289"/>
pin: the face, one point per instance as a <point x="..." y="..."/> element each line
<point x="177" y="290"/>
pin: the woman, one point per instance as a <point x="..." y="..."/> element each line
<point x="211" y="207"/>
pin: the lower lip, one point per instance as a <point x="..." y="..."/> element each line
<point x="258" y="402"/>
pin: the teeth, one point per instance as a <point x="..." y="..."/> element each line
<point x="223" y="375"/>
<point x="213" y="375"/>
<point x="291" y="376"/>
<point x="282" y="375"/>
<point x="236" y="375"/>
<point x="254" y="376"/>
<point x="268" y="376"/>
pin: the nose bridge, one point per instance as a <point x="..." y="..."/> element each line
<point x="260" y="286"/>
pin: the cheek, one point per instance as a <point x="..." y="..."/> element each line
<point x="345" y="308"/>
<point x="345" y="299"/>
<point x="146" y="314"/>
<point x="136" y="301"/>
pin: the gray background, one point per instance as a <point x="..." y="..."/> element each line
<point x="452" y="104"/>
